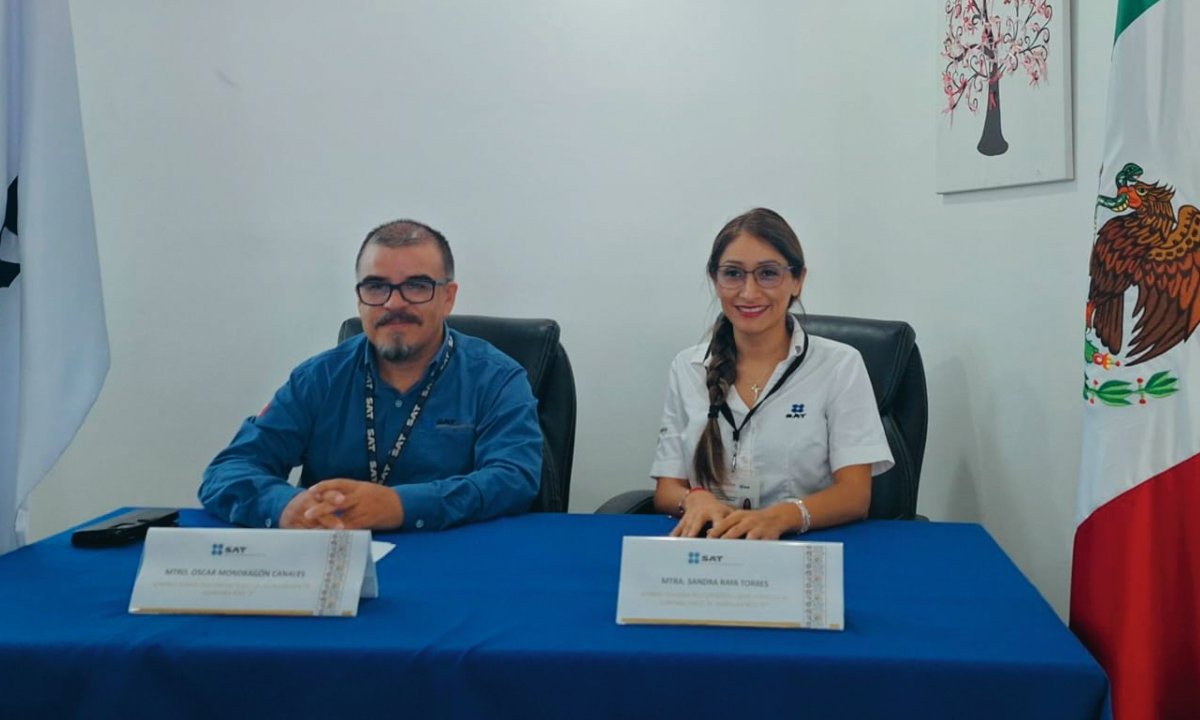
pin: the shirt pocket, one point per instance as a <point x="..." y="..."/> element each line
<point x="453" y="449"/>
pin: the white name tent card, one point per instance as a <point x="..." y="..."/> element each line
<point x="684" y="581"/>
<point x="232" y="571"/>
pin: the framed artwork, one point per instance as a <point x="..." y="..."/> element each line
<point x="1005" y="103"/>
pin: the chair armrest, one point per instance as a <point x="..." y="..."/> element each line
<point x="633" y="502"/>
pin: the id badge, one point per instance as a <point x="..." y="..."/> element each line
<point x="742" y="492"/>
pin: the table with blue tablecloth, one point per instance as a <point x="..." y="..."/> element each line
<point x="515" y="618"/>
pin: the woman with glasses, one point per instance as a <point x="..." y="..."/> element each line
<point x="766" y="430"/>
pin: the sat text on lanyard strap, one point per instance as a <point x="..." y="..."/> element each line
<point x="723" y="407"/>
<point x="402" y="439"/>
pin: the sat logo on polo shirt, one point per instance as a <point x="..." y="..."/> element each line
<point x="797" y="411"/>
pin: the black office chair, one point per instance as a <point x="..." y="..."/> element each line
<point x="889" y="350"/>
<point x="534" y="344"/>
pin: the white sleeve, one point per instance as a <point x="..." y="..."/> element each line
<point x="856" y="434"/>
<point x="669" y="460"/>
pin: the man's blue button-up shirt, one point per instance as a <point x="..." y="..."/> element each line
<point x="474" y="453"/>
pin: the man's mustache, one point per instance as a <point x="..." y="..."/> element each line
<point x="397" y="317"/>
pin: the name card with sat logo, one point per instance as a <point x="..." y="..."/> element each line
<point x="227" y="571"/>
<point x="683" y="581"/>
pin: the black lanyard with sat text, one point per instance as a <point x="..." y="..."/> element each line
<point x="402" y="439"/>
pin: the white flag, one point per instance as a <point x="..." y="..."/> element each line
<point x="53" y="341"/>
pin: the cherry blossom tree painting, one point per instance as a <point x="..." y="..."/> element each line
<point x="989" y="140"/>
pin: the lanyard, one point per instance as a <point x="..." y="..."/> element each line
<point x="402" y="439"/>
<point x="726" y="413"/>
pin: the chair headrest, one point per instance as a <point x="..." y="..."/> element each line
<point x="885" y="345"/>
<point x="531" y="342"/>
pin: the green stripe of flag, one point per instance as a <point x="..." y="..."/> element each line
<point x="1128" y="11"/>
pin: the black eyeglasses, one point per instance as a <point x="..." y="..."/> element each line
<point x="414" y="290"/>
<point x="767" y="275"/>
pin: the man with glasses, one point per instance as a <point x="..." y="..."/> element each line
<point x="411" y="425"/>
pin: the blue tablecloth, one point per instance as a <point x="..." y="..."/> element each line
<point x="515" y="618"/>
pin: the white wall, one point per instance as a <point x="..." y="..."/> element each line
<point x="579" y="156"/>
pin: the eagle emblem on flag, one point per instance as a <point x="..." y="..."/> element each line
<point x="1149" y="247"/>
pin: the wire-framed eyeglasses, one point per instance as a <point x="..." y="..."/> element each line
<point x="415" y="290"/>
<point x="767" y="275"/>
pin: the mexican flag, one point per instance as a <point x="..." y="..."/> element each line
<point x="1135" y="587"/>
<point x="53" y="340"/>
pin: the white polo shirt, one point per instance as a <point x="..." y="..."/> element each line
<point x="823" y="418"/>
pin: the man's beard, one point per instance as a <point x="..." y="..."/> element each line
<point x="397" y="350"/>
